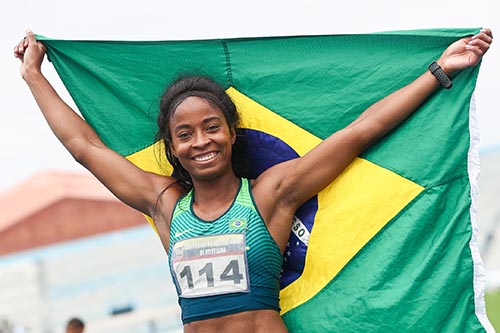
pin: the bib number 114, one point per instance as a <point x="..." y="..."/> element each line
<point x="212" y="276"/>
<point x="230" y="273"/>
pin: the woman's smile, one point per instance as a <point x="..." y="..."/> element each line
<point x="205" y="157"/>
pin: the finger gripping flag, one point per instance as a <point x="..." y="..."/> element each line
<point x="390" y="245"/>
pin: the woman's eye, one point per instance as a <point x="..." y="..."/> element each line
<point x="213" y="128"/>
<point x="183" y="135"/>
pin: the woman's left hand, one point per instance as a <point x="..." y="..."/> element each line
<point x="465" y="52"/>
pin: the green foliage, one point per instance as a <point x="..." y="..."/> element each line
<point x="493" y="308"/>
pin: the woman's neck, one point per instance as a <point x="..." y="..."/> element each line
<point x="213" y="197"/>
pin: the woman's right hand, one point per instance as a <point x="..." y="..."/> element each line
<point x="31" y="53"/>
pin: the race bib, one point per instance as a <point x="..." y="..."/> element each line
<point x="210" y="265"/>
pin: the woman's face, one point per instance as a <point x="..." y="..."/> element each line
<point x="201" y="139"/>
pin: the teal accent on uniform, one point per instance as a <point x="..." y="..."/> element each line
<point x="263" y="256"/>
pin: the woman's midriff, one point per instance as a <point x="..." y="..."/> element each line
<point x="258" y="321"/>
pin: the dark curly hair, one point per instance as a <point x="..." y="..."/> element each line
<point x="213" y="93"/>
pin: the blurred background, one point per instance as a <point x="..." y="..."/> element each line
<point x="105" y="264"/>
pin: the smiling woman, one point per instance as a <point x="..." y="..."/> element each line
<point x="225" y="234"/>
<point x="201" y="139"/>
<point x="213" y="99"/>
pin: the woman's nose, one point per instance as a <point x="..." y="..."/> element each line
<point x="200" y="140"/>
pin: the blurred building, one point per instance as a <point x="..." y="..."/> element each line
<point x="69" y="248"/>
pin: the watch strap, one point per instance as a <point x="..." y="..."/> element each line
<point x="442" y="77"/>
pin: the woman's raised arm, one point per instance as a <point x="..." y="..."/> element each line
<point x="329" y="158"/>
<point x="135" y="187"/>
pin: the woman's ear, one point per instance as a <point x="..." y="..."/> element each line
<point x="233" y="136"/>
<point x="171" y="148"/>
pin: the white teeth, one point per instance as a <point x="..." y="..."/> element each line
<point x="205" y="157"/>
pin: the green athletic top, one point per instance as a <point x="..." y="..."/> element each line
<point x="225" y="266"/>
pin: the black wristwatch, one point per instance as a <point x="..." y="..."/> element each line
<point x="442" y="77"/>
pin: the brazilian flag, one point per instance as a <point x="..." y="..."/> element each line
<point x="390" y="245"/>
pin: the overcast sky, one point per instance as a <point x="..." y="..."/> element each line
<point x="27" y="145"/>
